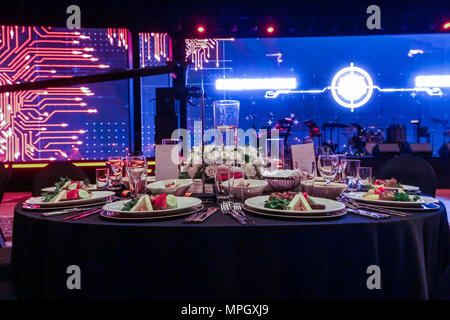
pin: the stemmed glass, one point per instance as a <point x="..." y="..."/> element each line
<point x="328" y="166"/>
<point x="136" y="167"/>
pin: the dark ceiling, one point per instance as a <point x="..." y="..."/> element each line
<point x="314" y="17"/>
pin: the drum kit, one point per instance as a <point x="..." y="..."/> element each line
<point x="356" y="136"/>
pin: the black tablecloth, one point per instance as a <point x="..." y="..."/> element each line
<point x="218" y="259"/>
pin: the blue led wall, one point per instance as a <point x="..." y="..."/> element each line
<point x="392" y="61"/>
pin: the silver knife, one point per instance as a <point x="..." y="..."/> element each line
<point x="368" y="214"/>
<point x="70" y="210"/>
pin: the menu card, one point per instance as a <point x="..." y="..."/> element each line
<point x="166" y="166"/>
<point x="303" y="153"/>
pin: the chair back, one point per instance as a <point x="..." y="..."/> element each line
<point x="50" y="174"/>
<point x="410" y="170"/>
<point x="5" y="175"/>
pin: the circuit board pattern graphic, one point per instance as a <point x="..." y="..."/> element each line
<point x="118" y="37"/>
<point x="40" y="124"/>
<point x="202" y="51"/>
<point x="155" y="49"/>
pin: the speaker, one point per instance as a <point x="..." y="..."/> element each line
<point x="421" y="148"/>
<point x="386" y="148"/>
<point x="166" y="118"/>
<point x="369" y="147"/>
<point x="444" y="151"/>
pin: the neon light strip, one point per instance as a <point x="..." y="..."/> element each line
<point x="435" y="81"/>
<point x="89" y="164"/>
<point x="78" y="164"/>
<point x="256" y="84"/>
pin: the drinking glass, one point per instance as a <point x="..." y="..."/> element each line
<point x="136" y="168"/>
<point x="221" y="175"/>
<point x="365" y="176"/>
<point x="236" y="183"/>
<point x="275" y="153"/>
<point x="306" y="168"/>
<point x="101" y="178"/>
<point x="341" y="158"/>
<point x="328" y="167"/>
<point x="350" y="173"/>
<point x="115" y="168"/>
<point x="308" y="172"/>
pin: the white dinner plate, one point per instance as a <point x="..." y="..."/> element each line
<point x="183" y="204"/>
<point x="143" y="216"/>
<point x="328" y="215"/>
<point x="331" y="206"/>
<point x="97" y="196"/>
<point x="404" y="188"/>
<point x="358" y="196"/>
<point x="91" y="187"/>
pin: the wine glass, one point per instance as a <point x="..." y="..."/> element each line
<point x="328" y="166"/>
<point x="136" y="167"/>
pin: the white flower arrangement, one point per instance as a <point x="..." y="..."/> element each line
<point x="244" y="156"/>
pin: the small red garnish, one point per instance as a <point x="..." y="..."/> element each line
<point x="72" y="195"/>
<point x="238" y="175"/>
<point x="305" y="194"/>
<point x="378" y="182"/>
<point x="161" y="202"/>
<point x="380" y="190"/>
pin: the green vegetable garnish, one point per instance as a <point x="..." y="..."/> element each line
<point x="275" y="203"/>
<point x="404" y="196"/>
<point x="130" y="204"/>
<point x="58" y="185"/>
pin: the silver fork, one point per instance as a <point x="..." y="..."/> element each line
<point x="238" y="208"/>
<point x="226" y="209"/>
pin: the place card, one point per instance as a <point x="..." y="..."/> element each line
<point x="165" y="167"/>
<point x="303" y="153"/>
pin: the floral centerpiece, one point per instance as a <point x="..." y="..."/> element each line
<point x="244" y="156"/>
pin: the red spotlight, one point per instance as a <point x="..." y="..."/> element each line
<point x="446" y="26"/>
<point x="270" y="29"/>
<point x="201" y="29"/>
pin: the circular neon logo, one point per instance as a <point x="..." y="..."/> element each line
<point x="352" y="87"/>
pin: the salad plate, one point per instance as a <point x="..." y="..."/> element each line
<point x="123" y="207"/>
<point x="90" y="187"/>
<point x="146" y="216"/>
<point x="95" y="196"/>
<point x="261" y="205"/>
<point x="328" y="215"/>
<point x="414" y="202"/>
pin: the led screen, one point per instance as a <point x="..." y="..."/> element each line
<point x="372" y="81"/>
<point x="69" y="123"/>
<point x="155" y="49"/>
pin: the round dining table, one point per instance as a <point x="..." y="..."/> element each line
<point x="351" y="257"/>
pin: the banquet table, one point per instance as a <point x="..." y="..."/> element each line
<point x="221" y="259"/>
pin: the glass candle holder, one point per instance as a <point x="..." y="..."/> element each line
<point x="226" y="119"/>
